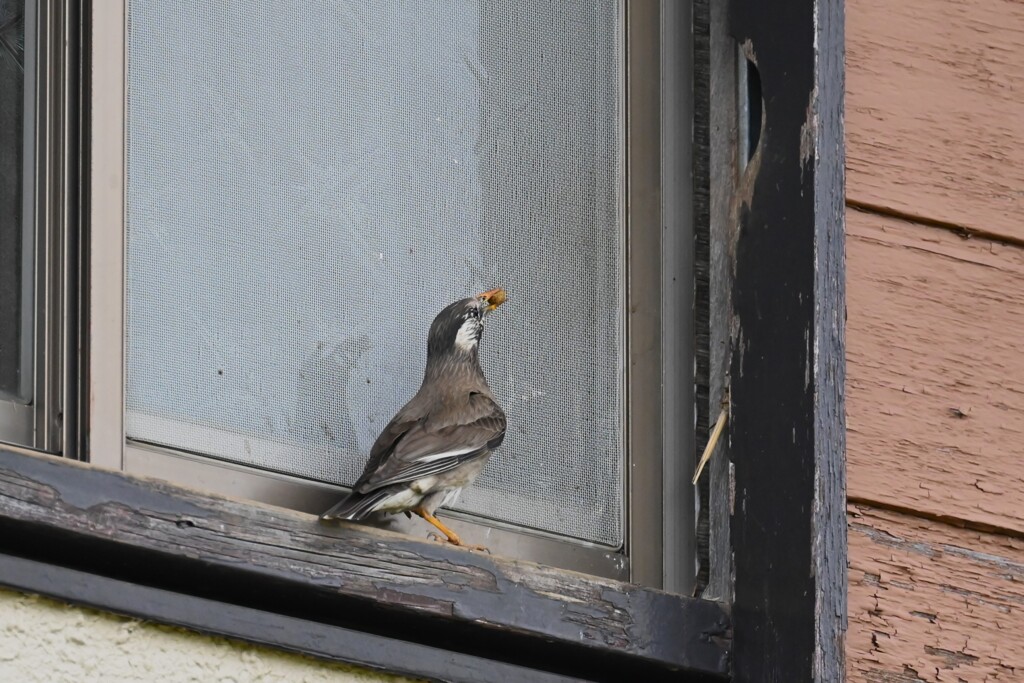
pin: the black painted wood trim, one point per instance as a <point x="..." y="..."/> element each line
<point x="787" y="427"/>
<point x="131" y="545"/>
<point x="266" y="628"/>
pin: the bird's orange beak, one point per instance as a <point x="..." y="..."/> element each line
<point x="494" y="297"/>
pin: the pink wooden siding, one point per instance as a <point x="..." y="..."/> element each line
<point x="935" y="268"/>
<point x="935" y="110"/>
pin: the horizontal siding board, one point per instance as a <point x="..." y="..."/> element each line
<point x="930" y="602"/>
<point x="935" y="110"/>
<point x="935" y="392"/>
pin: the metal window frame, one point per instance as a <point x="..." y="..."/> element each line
<point x="18" y="416"/>
<point x="658" y="528"/>
<point x="48" y="422"/>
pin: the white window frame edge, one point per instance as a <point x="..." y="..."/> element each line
<point x="104" y="388"/>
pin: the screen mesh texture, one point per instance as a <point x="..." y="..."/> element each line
<point x="309" y="183"/>
<point x="16" y="250"/>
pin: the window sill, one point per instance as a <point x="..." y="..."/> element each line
<point x="351" y="593"/>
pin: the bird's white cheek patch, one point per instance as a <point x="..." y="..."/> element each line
<point x="466" y="338"/>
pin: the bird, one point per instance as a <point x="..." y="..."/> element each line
<point x="439" y="442"/>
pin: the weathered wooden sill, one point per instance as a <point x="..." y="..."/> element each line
<point x="352" y="593"/>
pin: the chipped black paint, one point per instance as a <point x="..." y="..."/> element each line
<point x="787" y="428"/>
<point x="355" y="578"/>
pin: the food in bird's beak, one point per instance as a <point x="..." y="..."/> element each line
<point x="494" y="297"/>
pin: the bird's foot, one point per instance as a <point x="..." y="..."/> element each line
<point x="450" y="536"/>
<point x="438" y="538"/>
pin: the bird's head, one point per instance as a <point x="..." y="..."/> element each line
<point x="457" y="329"/>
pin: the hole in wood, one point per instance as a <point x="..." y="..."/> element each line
<point x="751" y="107"/>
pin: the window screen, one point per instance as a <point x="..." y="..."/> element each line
<point x="16" y="249"/>
<point x="309" y="183"/>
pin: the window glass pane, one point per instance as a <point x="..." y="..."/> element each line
<point x="15" y="241"/>
<point x="310" y="183"/>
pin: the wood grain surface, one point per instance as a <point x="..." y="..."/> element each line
<point x="786" y="430"/>
<point x="164" y="536"/>
<point x="936" y="372"/>
<point x="935" y="110"/>
<point x="930" y="602"/>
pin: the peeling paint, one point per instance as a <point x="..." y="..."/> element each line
<point x="812" y="358"/>
<point x="732" y="488"/>
<point x="809" y="132"/>
<point x="934" y="124"/>
<point x="935" y="372"/>
<point x="932" y="599"/>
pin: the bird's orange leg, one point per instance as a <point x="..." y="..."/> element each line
<point x="452" y="537"/>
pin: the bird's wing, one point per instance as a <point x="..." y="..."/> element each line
<point x="399" y="426"/>
<point x="456" y="432"/>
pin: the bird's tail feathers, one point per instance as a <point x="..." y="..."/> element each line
<point x="357" y="505"/>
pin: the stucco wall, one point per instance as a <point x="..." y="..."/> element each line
<point x="48" y="642"/>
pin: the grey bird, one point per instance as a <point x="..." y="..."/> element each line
<point x="441" y="439"/>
